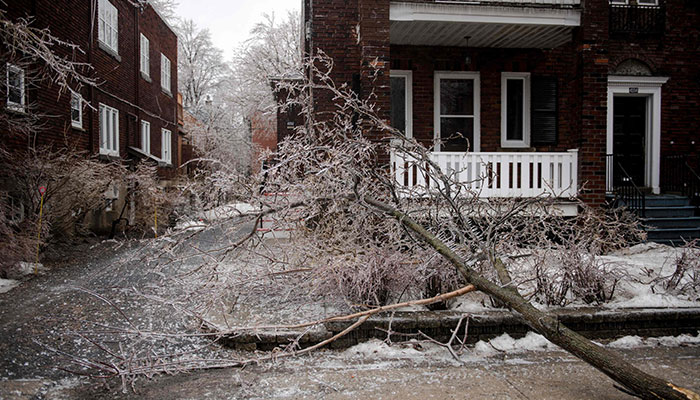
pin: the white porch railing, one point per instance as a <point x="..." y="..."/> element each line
<point x="493" y="174"/>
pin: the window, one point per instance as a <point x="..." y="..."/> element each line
<point x="15" y="87"/>
<point x="166" y="147"/>
<point x="515" y="109"/>
<point x="109" y="130"/>
<point x="457" y="107"/>
<point x="108" y="27"/>
<point x="165" y="73"/>
<point x="76" y="110"/>
<point x="146" y="137"/>
<point x="145" y="60"/>
<point x="401" y="101"/>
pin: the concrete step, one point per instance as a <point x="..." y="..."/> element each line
<point x="667" y="201"/>
<point x="678" y="234"/>
<point x="667" y="212"/>
<point x="672" y="222"/>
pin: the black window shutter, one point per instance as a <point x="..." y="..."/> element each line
<point x="543" y="123"/>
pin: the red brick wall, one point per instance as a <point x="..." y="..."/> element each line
<point x="676" y="55"/>
<point x="120" y="85"/>
<point x="490" y="63"/>
<point x="356" y="32"/>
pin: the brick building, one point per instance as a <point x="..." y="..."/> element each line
<point x="132" y="112"/>
<point x="578" y="94"/>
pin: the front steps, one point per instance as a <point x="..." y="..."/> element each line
<point x="670" y="219"/>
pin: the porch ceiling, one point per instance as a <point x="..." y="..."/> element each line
<point x="439" y="24"/>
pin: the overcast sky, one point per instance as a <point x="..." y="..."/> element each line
<point x="230" y="21"/>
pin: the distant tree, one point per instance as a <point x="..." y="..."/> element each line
<point x="166" y="8"/>
<point x="201" y="65"/>
<point x="272" y="50"/>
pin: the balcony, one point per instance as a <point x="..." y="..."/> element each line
<point x="492" y="175"/>
<point x="487" y="23"/>
<point x="637" y="19"/>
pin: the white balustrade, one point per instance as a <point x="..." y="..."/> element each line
<point x="490" y="174"/>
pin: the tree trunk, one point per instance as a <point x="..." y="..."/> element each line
<point x="610" y="363"/>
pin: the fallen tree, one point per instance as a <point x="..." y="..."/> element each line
<point x="363" y="234"/>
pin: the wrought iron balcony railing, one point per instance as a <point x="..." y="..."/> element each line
<point x="638" y="19"/>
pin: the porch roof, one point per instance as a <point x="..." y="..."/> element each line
<point x="487" y="24"/>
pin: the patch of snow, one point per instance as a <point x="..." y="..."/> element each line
<point x="469" y="306"/>
<point x="228" y="211"/>
<point x="190" y="226"/>
<point x="627" y="342"/>
<point x="22" y="269"/>
<point x="7" y="284"/>
<point x="505" y="343"/>
<point x="375" y="348"/>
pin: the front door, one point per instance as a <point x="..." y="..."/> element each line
<point x="629" y="139"/>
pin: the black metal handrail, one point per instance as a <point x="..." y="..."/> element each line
<point x="680" y="177"/>
<point x="626" y="191"/>
<point x="639" y="19"/>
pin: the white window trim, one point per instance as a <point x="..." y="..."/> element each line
<point x="146" y="136"/>
<point x="475" y="76"/>
<point x="108" y="34"/>
<point x="165" y="76"/>
<point x="408" y="76"/>
<point x="145" y="56"/>
<point x="166" y="146"/>
<point x="79" y="122"/>
<point x="11" y="104"/>
<point x="525" y="77"/>
<point x="112" y="147"/>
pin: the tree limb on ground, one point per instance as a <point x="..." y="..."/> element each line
<point x="636" y="381"/>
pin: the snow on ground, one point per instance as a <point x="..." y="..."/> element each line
<point x="228" y="211"/>
<point x="627" y="342"/>
<point x="7" y="284"/>
<point x="641" y="264"/>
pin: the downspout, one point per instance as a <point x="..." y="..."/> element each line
<point x="137" y="68"/>
<point x="91" y="89"/>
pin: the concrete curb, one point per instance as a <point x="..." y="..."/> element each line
<point x="594" y="323"/>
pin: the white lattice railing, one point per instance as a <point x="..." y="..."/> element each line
<point x="494" y="174"/>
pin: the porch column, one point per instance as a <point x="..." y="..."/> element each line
<point x="375" y="61"/>
<point x="593" y="50"/>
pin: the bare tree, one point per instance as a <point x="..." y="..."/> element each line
<point x="273" y="50"/>
<point x="200" y="65"/>
<point x="166" y="8"/>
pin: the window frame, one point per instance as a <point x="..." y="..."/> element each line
<point x="76" y="123"/>
<point x="109" y="117"/>
<point x="407" y="75"/>
<point x="108" y="25"/>
<point x="145" y="56"/>
<point x="476" y="114"/>
<point x="166" y="146"/>
<point x="146" y="137"/>
<point x="22" y="88"/>
<point x="165" y="73"/>
<point x="525" y="78"/>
